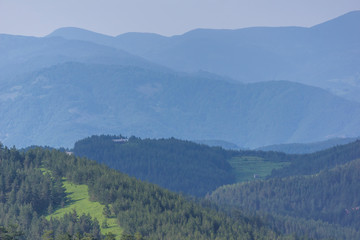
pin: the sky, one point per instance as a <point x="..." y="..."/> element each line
<point x="165" y="17"/>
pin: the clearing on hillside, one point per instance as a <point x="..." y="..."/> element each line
<point x="78" y="199"/>
<point x="249" y="168"/>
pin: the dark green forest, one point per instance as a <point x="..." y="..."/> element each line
<point x="327" y="197"/>
<point x="142" y="209"/>
<point x="177" y="165"/>
<point x="319" y="201"/>
<point x="27" y="194"/>
<point x="315" y="205"/>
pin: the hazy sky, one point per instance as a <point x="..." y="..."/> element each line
<point x="166" y="17"/>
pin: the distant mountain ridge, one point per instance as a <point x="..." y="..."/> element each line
<point x="75" y="100"/>
<point x="23" y="55"/>
<point x="325" y="55"/>
<point x="73" y="88"/>
<point x="301" y="148"/>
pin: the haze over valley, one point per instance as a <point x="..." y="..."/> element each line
<point x="245" y="133"/>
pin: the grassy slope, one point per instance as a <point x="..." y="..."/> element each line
<point x="79" y="200"/>
<point x="247" y="166"/>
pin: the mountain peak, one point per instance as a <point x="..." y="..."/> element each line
<point x="70" y="31"/>
<point x="348" y="19"/>
<point x="74" y="33"/>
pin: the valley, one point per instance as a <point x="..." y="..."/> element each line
<point x="211" y="134"/>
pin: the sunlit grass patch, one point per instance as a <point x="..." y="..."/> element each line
<point x="249" y="168"/>
<point x="78" y="199"/>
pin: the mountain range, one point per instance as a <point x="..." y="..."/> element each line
<point x="75" y="83"/>
<point x="234" y="89"/>
<point x="326" y="55"/>
<point x="73" y="100"/>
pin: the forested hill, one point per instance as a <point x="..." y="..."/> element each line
<point x="307" y="164"/>
<point x="180" y="166"/>
<point x="316" y="192"/>
<point x="195" y="169"/>
<point x="31" y="186"/>
<point x="331" y="196"/>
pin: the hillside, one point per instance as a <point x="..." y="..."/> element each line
<point x="317" y="192"/>
<point x="28" y="193"/>
<point x="177" y="165"/>
<point x="78" y="201"/>
<point x="195" y="169"/>
<point x="330" y="196"/>
<point x="320" y="205"/>
<point x="325" y="55"/>
<point x="75" y="100"/>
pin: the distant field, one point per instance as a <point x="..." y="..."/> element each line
<point x="249" y="168"/>
<point x="79" y="200"/>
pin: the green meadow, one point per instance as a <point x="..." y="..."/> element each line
<point x="78" y="199"/>
<point x="248" y="168"/>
